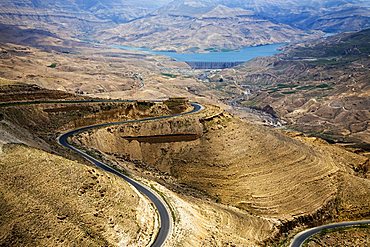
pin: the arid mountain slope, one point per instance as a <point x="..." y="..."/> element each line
<point x="38" y="125"/>
<point x="197" y="25"/>
<point x="95" y="71"/>
<point x="255" y="169"/>
<point x="73" y="19"/>
<point x="220" y="28"/>
<point x="320" y="88"/>
<point x="289" y="181"/>
<point x="326" y="15"/>
<point x="197" y="221"/>
<point x="182" y="25"/>
<point x="48" y="200"/>
<point x="232" y="182"/>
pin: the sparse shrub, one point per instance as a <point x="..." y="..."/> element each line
<point x="323" y="86"/>
<point x="169" y="75"/>
<point x="289" y="92"/>
<point x="53" y="65"/>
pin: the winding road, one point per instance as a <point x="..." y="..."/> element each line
<point x="162" y="208"/>
<point x="301" y="237"/>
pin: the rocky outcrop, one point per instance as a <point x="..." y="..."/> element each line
<point x="259" y="171"/>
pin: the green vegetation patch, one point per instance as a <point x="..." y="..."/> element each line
<point x="169" y="75"/>
<point x="249" y="103"/>
<point x="333" y="62"/>
<point x="281" y="85"/>
<point x="53" y="65"/>
<point x="306" y="87"/>
<point x="289" y="92"/>
<point x="324" y="85"/>
<point x="312" y="87"/>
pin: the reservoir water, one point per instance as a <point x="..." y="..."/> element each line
<point x="242" y="55"/>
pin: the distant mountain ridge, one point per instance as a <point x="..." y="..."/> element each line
<point x="188" y="25"/>
<point x="218" y="28"/>
<point x="348" y="15"/>
<point x="113" y="10"/>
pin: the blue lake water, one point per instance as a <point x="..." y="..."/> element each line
<point x="242" y="55"/>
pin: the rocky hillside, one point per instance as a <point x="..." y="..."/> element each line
<point x="79" y="70"/>
<point x="92" y="193"/>
<point x="328" y="16"/>
<point x="46" y="200"/>
<point x="220" y="28"/>
<point x="259" y="171"/>
<point x="228" y="182"/>
<point x="321" y="88"/>
<point x="185" y="25"/>
<point x="109" y="10"/>
<point x="218" y="24"/>
<point x="71" y="19"/>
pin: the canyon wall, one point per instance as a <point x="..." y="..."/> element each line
<point x="250" y="167"/>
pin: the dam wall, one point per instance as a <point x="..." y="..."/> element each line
<point x="213" y="65"/>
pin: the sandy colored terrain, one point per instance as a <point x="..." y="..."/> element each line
<point x="313" y="86"/>
<point x="230" y="181"/>
<point x="200" y="34"/>
<point x="50" y="201"/>
<point x="351" y="237"/>
<point x="76" y="203"/>
<point x="205" y="223"/>
<point x="98" y="72"/>
<point x="235" y="163"/>
<point x="260" y="171"/>
<point x="73" y="72"/>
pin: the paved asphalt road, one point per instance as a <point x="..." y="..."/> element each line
<point x="165" y="219"/>
<point x="301" y="237"/>
<point x="164" y="214"/>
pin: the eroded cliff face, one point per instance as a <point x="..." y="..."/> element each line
<point x="251" y="167"/>
<point x="256" y="169"/>
<point x="39" y="124"/>
<point x="149" y="142"/>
